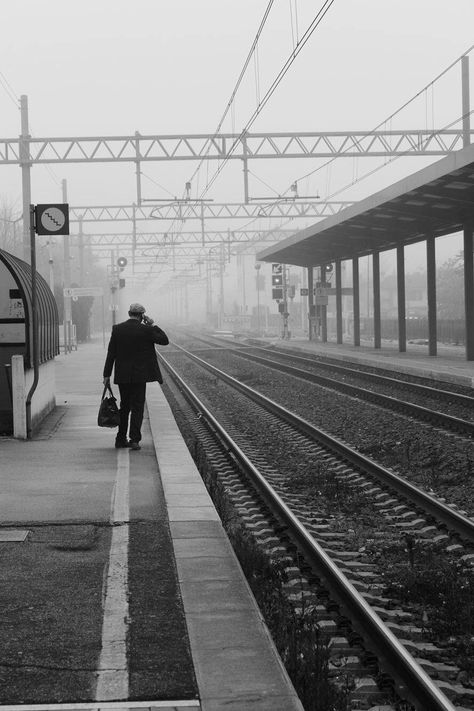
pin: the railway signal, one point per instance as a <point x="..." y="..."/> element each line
<point x="277" y="274"/>
<point x="277" y="281"/>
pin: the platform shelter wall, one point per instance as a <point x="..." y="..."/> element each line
<point x="12" y="341"/>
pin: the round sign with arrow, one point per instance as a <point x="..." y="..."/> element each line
<point x="52" y="219"/>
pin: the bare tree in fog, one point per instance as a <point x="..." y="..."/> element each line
<point x="450" y="288"/>
<point x="11" y="233"/>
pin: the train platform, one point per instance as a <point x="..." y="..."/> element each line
<point x="449" y="366"/>
<point x="119" y="588"/>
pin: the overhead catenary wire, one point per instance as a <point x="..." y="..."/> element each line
<point x="148" y="177"/>
<point x="395" y="113"/>
<point x="8" y="88"/>
<point x="264" y="183"/>
<point x="230" y="104"/>
<point x="327" y="4"/>
<point x="294" y="23"/>
<point x="388" y="161"/>
<point x="238" y="82"/>
<point x="388" y="119"/>
<point x="13" y="96"/>
<point x="330" y="161"/>
<point x="304" y="39"/>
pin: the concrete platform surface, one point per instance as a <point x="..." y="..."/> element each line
<point x="450" y="365"/>
<point x="70" y="474"/>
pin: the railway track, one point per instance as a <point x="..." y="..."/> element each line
<point x="403" y="505"/>
<point x="465" y="403"/>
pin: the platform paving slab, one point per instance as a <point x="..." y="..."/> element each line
<point x="195" y="513"/>
<point x="218" y="595"/>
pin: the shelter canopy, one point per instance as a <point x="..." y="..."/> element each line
<point x="16" y="305"/>
<point x="437" y="200"/>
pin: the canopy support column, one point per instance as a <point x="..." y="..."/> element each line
<point x="311" y="309"/>
<point x="431" y="293"/>
<point x="402" y="327"/>
<point x="338" y="302"/>
<point x="376" y="292"/>
<point x="469" y="290"/>
<point x="356" y="300"/>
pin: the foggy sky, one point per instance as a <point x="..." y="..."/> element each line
<point x="108" y="67"/>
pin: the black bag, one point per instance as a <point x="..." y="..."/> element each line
<point x="109" y="415"/>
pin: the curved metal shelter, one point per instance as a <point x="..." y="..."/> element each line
<point x="435" y="201"/>
<point x="16" y="309"/>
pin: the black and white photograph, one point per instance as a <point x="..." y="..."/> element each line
<point x="237" y="355"/>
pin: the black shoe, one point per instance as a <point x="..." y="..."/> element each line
<point x="134" y="445"/>
<point x="121" y="444"/>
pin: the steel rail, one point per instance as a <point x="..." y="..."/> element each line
<point x="456" y="522"/>
<point x="416" y="682"/>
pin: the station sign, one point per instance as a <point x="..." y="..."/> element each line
<point x="239" y="318"/>
<point x="320" y="291"/>
<point x="345" y="291"/>
<point x="84" y="291"/>
<point x="321" y="296"/>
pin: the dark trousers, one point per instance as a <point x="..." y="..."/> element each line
<point x="132" y="402"/>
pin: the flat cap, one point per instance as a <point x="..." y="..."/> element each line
<point x="136" y="309"/>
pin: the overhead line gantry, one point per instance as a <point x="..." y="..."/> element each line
<point x="26" y="151"/>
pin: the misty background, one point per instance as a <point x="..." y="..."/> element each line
<point x="103" y="68"/>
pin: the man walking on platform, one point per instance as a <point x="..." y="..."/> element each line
<point x="132" y="350"/>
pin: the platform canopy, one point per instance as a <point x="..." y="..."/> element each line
<point x="437" y="200"/>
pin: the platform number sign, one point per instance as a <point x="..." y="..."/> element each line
<point x="52" y="219"/>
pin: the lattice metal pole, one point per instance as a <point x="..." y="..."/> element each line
<point x="25" y="164"/>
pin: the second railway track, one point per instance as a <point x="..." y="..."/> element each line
<point x="447" y="409"/>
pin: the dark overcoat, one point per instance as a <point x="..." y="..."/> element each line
<point x="132" y="350"/>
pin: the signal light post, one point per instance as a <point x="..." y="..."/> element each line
<point x="257" y="284"/>
<point x="280" y="294"/>
<point x="117" y="265"/>
<point x="277" y="281"/>
<point x="321" y="301"/>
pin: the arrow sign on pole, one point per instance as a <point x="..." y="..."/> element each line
<point x="52" y="219"/>
<point x="84" y="291"/>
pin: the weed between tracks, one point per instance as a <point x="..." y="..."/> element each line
<point x="418" y="572"/>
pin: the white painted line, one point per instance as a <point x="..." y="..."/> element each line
<point x="120" y="496"/>
<point x="112" y="675"/>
